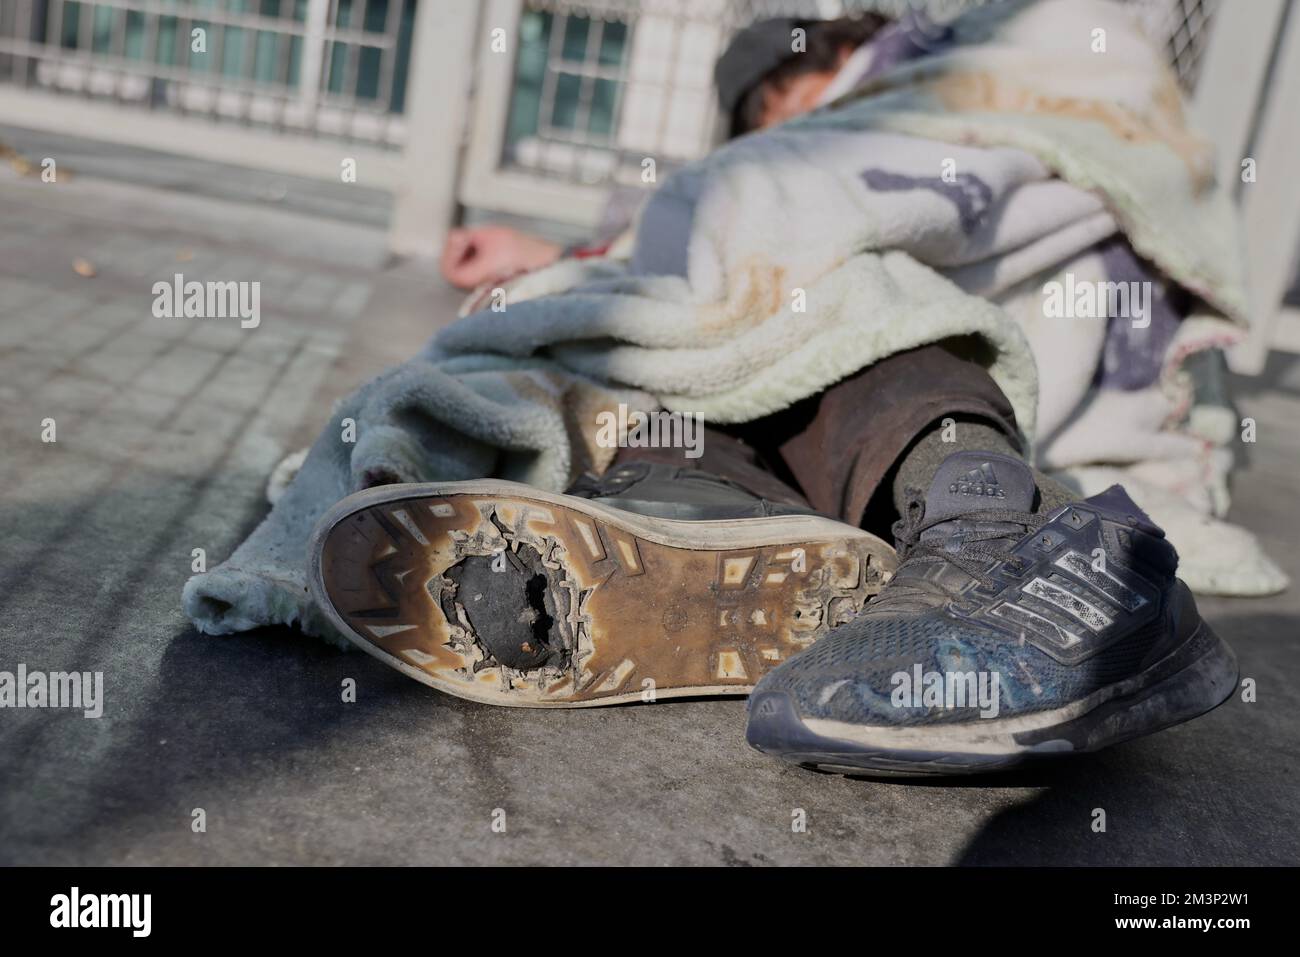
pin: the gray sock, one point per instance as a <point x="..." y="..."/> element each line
<point x="922" y="459"/>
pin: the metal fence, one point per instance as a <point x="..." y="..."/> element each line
<point x="329" y="67"/>
<point x="599" y="85"/>
<point x="587" y="89"/>
<point x="591" y="88"/>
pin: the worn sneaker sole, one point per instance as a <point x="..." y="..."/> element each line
<point x="1194" y="679"/>
<point x="505" y="594"/>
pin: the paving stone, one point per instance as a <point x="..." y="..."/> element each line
<point x="26" y="329"/>
<point x="24" y="370"/>
<point x="296" y="389"/>
<point x="117" y="440"/>
<point x="124" y="358"/>
<point x="219" y="335"/>
<point x="62" y="305"/>
<point x="180" y="370"/>
<point x="47" y="336"/>
<point x="315" y="294"/>
<point x="56" y="472"/>
<point x="167" y="327"/>
<point x="16" y="294"/>
<point x="195" y="441"/>
<point x="242" y="385"/>
<point x="351" y="300"/>
<point x="75" y="337"/>
<point x="70" y="392"/>
<point x="117" y="314"/>
<point x="275" y="338"/>
<point x="149" y="409"/>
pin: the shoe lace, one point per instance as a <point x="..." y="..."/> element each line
<point x="980" y="548"/>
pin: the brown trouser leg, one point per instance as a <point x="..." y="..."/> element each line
<point x="834" y="450"/>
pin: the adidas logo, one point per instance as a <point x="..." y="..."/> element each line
<point x="980" y="481"/>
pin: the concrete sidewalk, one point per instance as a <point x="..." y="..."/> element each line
<point x="166" y="432"/>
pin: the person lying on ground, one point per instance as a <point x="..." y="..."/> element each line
<point x="761" y="81"/>
<point x="1014" y="617"/>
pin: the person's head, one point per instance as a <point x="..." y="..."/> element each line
<point x="765" y="77"/>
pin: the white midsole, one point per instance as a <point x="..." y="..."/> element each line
<point x="983" y="735"/>
<point x="979" y="738"/>
<point x="715" y="535"/>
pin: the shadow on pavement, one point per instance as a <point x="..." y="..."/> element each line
<point x="1214" y="791"/>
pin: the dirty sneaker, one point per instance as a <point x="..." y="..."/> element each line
<point x="1003" y="635"/>
<point x="506" y="594"/>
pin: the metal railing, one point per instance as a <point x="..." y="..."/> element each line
<point x="592" y="94"/>
<point x="586" y="91"/>
<point x="586" y="110"/>
<point x="324" y="67"/>
<point x="589" y="88"/>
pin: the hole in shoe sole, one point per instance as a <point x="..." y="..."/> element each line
<point x="506" y="600"/>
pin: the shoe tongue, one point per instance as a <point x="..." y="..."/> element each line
<point x="974" y="481"/>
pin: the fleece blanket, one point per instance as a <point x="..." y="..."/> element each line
<point x="928" y="205"/>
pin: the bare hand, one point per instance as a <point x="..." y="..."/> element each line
<point x="484" y="254"/>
